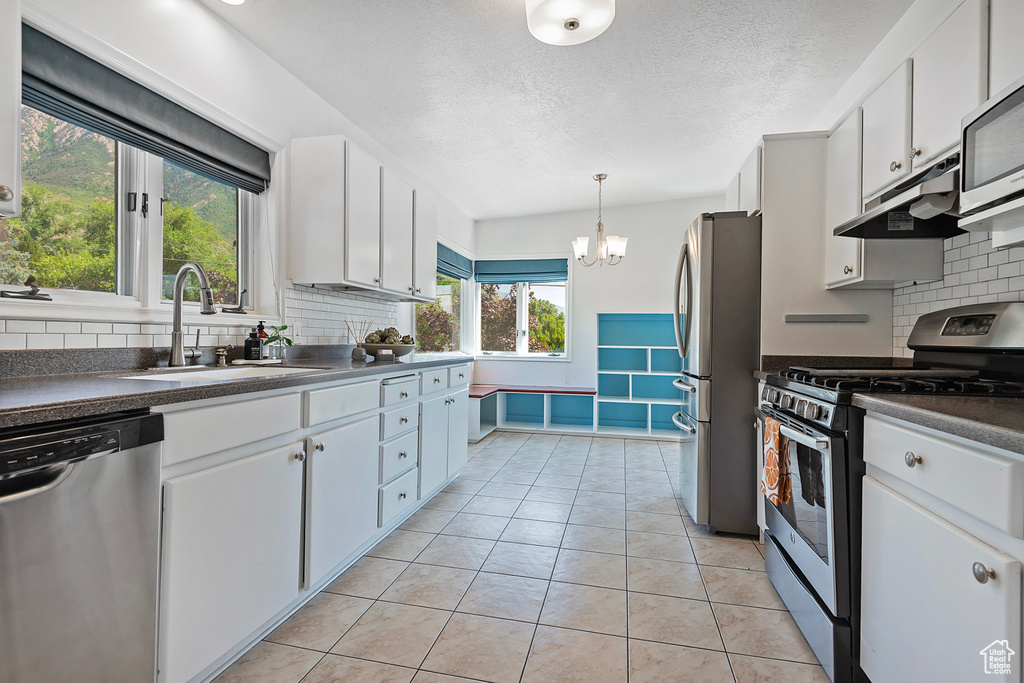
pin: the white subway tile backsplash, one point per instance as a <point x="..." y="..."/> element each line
<point x="45" y="341"/>
<point x="26" y="326"/>
<point x="12" y="342"/>
<point x="60" y="327"/>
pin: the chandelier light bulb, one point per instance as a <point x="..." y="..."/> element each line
<point x="568" y="22"/>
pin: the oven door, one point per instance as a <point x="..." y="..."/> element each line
<point x="811" y="528"/>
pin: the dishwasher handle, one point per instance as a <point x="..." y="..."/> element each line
<point x="34" y="483"/>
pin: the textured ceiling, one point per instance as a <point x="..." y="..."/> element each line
<point x="667" y="102"/>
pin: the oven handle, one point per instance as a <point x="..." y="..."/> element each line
<point x="685" y="426"/>
<point x="820" y="444"/>
<point x="680" y="383"/>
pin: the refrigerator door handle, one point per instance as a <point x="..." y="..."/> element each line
<point x="683" y="338"/>
<point x="680" y="383"/>
<point x="678" y="420"/>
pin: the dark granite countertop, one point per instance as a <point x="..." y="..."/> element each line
<point x="995" y="422"/>
<point x="46" y="398"/>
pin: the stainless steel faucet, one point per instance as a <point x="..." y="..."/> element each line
<point x="206" y="308"/>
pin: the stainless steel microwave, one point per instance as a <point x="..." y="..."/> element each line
<point x="992" y="151"/>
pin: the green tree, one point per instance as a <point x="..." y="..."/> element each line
<point x="547" y="325"/>
<point x="13" y="264"/>
<point x="187" y="237"/>
<point x="438" y="324"/>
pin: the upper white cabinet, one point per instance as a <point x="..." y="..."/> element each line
<point x="1006" y="49"/>
<point x="397" y="234"/>
<point x="950" y="80"/>
<point x="362" y="217"/>
<point x="425" y="255"/>
<point x="928" y="585"/>
<point x="353" y="223"/>
<point x="10" y="108"/>
<point x="750" y="183"/>
<point x="887" y="132"/>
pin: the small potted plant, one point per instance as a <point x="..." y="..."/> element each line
<point x="277" y="342"/>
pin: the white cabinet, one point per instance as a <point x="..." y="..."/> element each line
<point x="10" y="106"/>
<point x="925" y="617"/>
<point x="444" y="438"/>
<point x="353" y="224"/>
<point x="865" y="264"/>
<point x="750" y="183"/>
<point x="397" y="234"/>
<point x="425" y="253"/>
<point x="362" y="217"/>
<point x="887" y="132"/>
<point x="341" y="495"/>
<point x="732" y="194"/>
<point x="1006" y="49"/>
<point x="230" y="559"/>
<point x="950" y="80"/>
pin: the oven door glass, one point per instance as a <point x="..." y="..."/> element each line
<point x="809" y="523"/>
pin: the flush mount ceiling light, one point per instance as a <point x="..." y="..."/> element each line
<point x="608" y="248"/>
<point x="568" y="22"/>
<point x="232" y="2"/>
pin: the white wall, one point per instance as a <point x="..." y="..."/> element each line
<point x="642" y="283"/>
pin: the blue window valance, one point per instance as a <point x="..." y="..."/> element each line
<point x="522" y="270"/>
<point x="453" y="264"/>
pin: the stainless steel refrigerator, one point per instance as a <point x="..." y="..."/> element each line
<point x="717" y="322"/>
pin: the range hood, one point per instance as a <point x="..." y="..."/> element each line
<point x="925" y="207"/>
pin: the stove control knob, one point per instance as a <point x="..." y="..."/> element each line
<point x="801" y="407"/>
<point x="787" y="402"/>
<point x="773" y="395"/>
<point x="813" y="412"/>
<point x="764" y="393"/>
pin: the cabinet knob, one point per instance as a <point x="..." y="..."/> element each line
<point x="847" y="270"/>
<point x="914" y="152"/>
<point x="437" y="380"/>
<point x="447" y="401"/>
<point x="403" y="394"/>
<point x="6" y="193"/>
<point x="453" y="400"/>
<point x="377" y="279"/>
<point x="403" y="420"/>
<point x="411" y="288"/>
<point x="319" y="447"/>
<point x="911" y="459"/>
<point x="418" y="290"/>
<point x="402" y="495"/>
<point x="300" y="456"/>
<point x="402" y="455"/>
<point x="895" y="166"/>
<point x="982" y="573"/>
<point x="461" y="376"/>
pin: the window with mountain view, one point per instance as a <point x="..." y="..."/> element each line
<point x="523" y="318"/>
<point x="67" y="234"/>
<point x="439" y="324"/>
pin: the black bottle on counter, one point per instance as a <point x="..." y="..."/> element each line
<point x="254" y="346"/>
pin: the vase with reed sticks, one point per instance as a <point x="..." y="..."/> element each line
<point x="359" y="353"/>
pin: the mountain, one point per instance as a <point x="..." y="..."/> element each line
<point x="82" y="165"/>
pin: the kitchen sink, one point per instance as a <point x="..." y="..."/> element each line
<point x="218" y="374"/>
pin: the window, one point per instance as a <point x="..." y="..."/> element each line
<point x="84" y="197"/>
<point x="439" y="324"/>
<point x="523" y="318"/>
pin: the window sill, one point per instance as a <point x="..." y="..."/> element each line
<point x="519" y="359"/>
<point x="122" y="311"/>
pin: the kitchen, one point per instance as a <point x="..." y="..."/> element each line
<point x="326" y="519"/>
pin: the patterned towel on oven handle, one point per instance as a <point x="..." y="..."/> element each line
<point x="776" y="482"/>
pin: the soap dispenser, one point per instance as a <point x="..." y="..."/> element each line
<point x="254" y="346"/>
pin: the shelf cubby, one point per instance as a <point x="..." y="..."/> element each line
<point x="622" y="414"/>
<point x="655" y="386"/>
<point x="666" y="360"/>
<point x="629" y="359"/>
<point x="524" y="408"/>
<point x="635" y="329"/>
<point x="613" y="386"/>
<point x="661" y="418"/>
<point x="570" y="409"/>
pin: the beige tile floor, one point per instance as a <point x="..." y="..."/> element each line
<point x="550" y="559"/>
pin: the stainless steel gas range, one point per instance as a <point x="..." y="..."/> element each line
<point x="813" y="540"/>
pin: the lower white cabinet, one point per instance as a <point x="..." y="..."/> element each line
<point x="341" y="495"/>
<point x="444" y="438"/>
<point x="929" y="607"/>
<point x="232" y="546"/>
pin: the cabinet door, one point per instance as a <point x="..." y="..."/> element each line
<point x="1006" y="49"/>
<point x="341" y="495"/>
<point x="397" y="236"/>
<point x="887" y="132"/>
<point x="732" y="194"/>
<point x="924" y="615"/>
<point x="458" y="432"/>
<point x="433" y="443"/>
<point x="425" y="255"/>
<point x="10" y="106"/>
<point x="230" y="557"/>
<point x="950" y="80"/>
<point x="362" y="217"/>
<point x="843" y="200"/>
<point x="750" y="183"/>
<point x="316" y="209"/>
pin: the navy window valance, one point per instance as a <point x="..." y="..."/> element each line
<point x="62" y="82"/>
<point x="453" y="264"/>
<point x="522" y="270"/>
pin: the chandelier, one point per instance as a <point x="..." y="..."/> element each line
<point x="609" y="248"/>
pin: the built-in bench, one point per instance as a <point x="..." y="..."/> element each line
<point x="529" y="408"/>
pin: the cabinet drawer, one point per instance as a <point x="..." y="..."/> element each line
<point x="190" y="434"/>
<point x="433" y="380"/>
<point x="400" y="389"/>
<point x="399" y="455"/>
<point x="986" y="486"/>
<point x="324" y="405"/>
<point x="399" y="421"/>
<point x="459" y="376"/>
<point x="397" y="496"/>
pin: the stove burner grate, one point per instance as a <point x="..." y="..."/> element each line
<point x="970" y="386"/>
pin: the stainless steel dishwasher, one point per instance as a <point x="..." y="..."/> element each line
<point x="79" y="546"/>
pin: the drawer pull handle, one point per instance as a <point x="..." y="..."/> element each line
<point x="437" y="380"/>
<point x="404" y="394"/>
<point x="982" y="573"/>
<point x="911" y="459"/>
<point x="461" y="376"/>
<point x="403" y="420"/>
<point x="300" y="456"/>
<point x="319" y="447"/>
<point x="895" y="166"/>
<point x="453" y="400"/>
<point x="402" y="495"/>
<point x="403" y="454"/>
